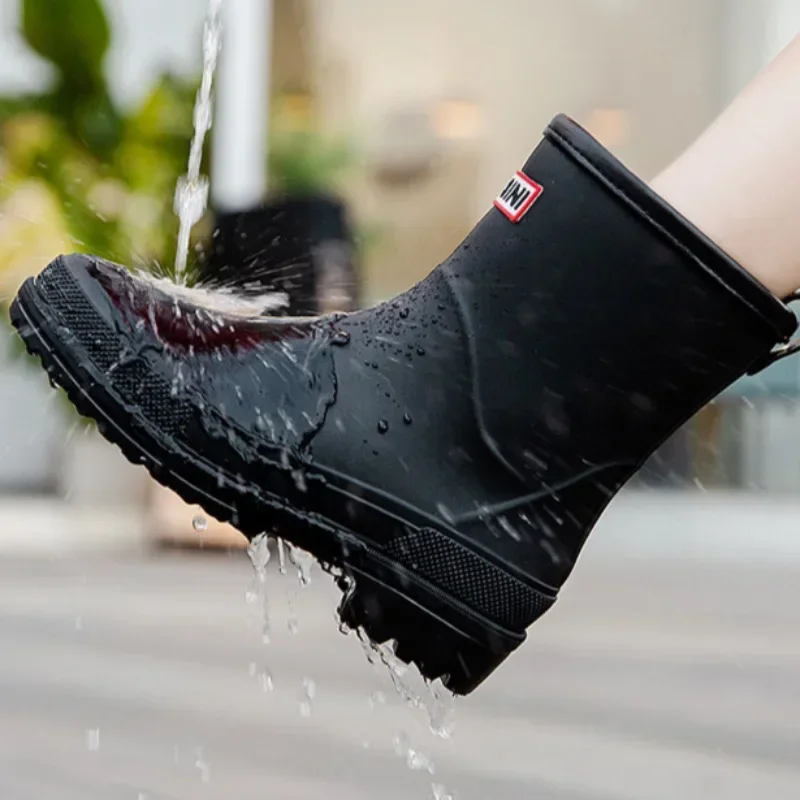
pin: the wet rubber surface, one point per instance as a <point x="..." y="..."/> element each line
<point x="673" y="679"/>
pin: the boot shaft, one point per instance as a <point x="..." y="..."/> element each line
<point x="599" y="320"/>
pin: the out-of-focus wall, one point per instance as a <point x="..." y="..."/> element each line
<point x="754" y="32"/>
<point x="380" y="66"/>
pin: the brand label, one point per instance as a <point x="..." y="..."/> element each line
<point x="518" y="196"/>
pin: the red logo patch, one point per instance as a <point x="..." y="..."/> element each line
<point x="518" y="196"/>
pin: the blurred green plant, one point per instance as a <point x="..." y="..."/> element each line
<point x="306" y="162"/>
<point x="79" y="173"/>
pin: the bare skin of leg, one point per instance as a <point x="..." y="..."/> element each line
<point x="739" y="182"/>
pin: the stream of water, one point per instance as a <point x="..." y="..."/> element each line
<point x="191" y="193"/>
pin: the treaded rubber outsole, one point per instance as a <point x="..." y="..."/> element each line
<point x="443" y="638"/>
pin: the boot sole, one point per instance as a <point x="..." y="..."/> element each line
<point x="444" y="638"/>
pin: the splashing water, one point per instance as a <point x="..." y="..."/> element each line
<point x="438" y="703"/>
<point x="432" y="698"/>
<point x="263" y="675"/>
<point x="308" y="694"/>
<point x="259" y="553"/>
<point x="303" y="561"/>
<point x="281" y="556"/>
<point x="415" y="759"/>
<point x="202" y="766"/>
<point x="223" y="300"/>
<point x="377" y="699"/>
<point x="191" y="193"/>
<point x="265" y="680"/>
<point x="412" y="690"/>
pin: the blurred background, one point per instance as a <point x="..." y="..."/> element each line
<point x="355" y="143"/>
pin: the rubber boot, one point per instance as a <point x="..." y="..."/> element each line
<point x="446" y="453"/>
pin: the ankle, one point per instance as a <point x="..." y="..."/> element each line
<point x="704" y="205"/>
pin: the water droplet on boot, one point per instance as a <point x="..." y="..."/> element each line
<point x="446" y="513"/>
<point x="383" y="426"/>
<point x="340" y="338"/>
<point x="509" y="528"/>
<point x="407" y="419"/>
<point x="200" y="523"/>
<point x="404" y="313"/>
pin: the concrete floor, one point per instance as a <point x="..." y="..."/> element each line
<point x="141" y="678"/>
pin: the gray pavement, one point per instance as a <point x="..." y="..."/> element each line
<point x="142" y="678"/>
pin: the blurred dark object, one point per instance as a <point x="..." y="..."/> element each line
<point x="300" y="241"/>
<point x="303" y="246"/>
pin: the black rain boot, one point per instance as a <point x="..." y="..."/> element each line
<point x="451" y="449"/>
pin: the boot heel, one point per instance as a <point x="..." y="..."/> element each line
<point x="440" y="636"/>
